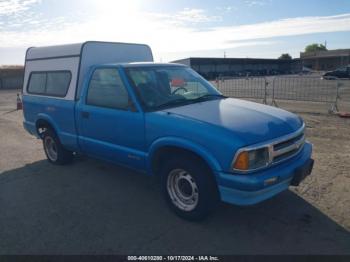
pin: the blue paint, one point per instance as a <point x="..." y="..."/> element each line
<point x="214" y="130"/>
<point x="251" y="189"/>
<point x="58" y="112"/>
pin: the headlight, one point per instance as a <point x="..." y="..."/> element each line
<point x="251" y="159"/>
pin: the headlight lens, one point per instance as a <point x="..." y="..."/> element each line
<point x="251" y="159"/>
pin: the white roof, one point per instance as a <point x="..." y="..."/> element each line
<point x="54" y="51"/>
<point x="78" y="58"/>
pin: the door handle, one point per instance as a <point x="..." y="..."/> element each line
<point x="85" y="114"/>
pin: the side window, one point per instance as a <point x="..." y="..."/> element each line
<point x="106" y="89"/>
<point x="37" y="82"/>
<point x="57" y="83"/>
<point x="51" y="83"/>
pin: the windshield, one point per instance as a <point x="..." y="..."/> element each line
<point x="160" y="87"/>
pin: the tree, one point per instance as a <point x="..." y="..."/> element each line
<point x="285" y="57"/>
<point x="315" y="48"/>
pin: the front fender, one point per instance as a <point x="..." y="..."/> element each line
<point x="184" y="144"/>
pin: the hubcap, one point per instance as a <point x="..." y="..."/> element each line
<point x="182" y="189"/>
<point x="50" y="148"/>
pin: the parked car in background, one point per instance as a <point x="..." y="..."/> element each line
<point x="165" y="120"/>
<point x="306" y="71"/>
<point x="340" y="73"/>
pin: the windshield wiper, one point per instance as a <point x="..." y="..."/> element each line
<point x="184" y="101"/>
<point x="204" y="97"/>
<point x="174" y="102"/>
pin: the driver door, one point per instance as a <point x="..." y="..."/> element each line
<point x="110" y="127"/>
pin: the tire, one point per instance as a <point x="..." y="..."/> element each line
<point x="54" y="151"/>
<point x="189" y="188"/>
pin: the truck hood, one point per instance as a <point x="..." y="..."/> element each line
<point x="251" y="122"/>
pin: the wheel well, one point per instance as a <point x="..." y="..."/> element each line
<point x="170" y="151"/>
<point x="42" y="125"/>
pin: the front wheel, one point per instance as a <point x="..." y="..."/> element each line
<point x="189" y="188"/>
<point x="54" y="151"/>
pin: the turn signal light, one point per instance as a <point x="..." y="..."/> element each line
<point x="242" y="161"/>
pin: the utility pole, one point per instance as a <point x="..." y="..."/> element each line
<point x="224" y="54"/>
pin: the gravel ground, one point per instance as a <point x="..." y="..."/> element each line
<point x="91" y="207"/>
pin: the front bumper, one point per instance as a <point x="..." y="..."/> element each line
<point x="253" y="188"/>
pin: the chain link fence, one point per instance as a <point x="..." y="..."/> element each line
<point x="343" y="96"/>
<point x="332" y="93"/>
<point x="248" y="87"/>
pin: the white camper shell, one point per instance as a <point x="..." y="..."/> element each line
<point x="78" y="58"/>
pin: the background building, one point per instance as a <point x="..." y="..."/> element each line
<point x="11" y="77"/>
<point x="326" y="60"/>
<point x="211" y="68"/>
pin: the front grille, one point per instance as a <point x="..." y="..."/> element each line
<point x="279" y="149"/>
<point x="287" y="147"/>
<point x="287" y="143"/>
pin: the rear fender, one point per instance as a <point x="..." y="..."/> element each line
<point x="50" y="121"/>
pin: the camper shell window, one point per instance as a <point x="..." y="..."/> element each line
<point x="37" y="83"/>
<point x="49" y="83"/>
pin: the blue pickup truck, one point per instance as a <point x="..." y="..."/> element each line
<point x="97" y="99"/>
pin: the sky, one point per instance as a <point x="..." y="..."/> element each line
<point x="176" y="29"/>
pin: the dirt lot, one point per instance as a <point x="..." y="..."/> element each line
<point x="91" y="207"/>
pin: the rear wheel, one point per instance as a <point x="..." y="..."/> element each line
<point x="54" y="151"/>
<point x="189" y="188"/>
